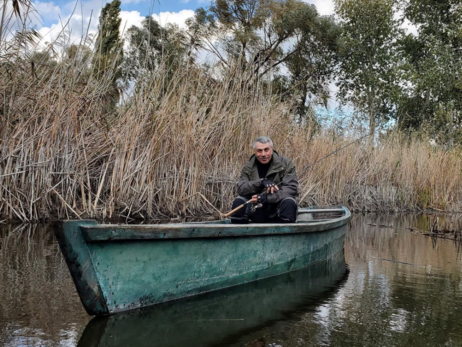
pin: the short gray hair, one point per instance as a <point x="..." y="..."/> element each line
<point x="263" y="139"/>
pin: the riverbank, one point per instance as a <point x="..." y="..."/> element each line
<point x="63" y="155"/>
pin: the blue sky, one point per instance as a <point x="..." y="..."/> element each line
<point x="145" y="7"/>
<point x="78" y="17"/>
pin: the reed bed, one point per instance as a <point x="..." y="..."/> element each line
<point x="174" y="149"/>
<point x="396" y="174"/>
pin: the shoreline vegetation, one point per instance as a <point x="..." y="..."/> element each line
<point x="72" y="145"/>
<point x="180" y="156"/>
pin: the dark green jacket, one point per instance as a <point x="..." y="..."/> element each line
<point x="281" y="168"/>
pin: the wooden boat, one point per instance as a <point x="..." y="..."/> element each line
<point x="229" y="317"/>
<point x="121" y="267"/>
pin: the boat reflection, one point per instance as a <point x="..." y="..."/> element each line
<point x="223" y="317"/>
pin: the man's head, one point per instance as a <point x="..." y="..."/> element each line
<point x="263" y="147"/>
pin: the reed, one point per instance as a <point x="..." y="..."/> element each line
<point x="174" y="149"/>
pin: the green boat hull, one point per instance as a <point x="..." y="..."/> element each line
<point x="229" y="317"/>
<point x="121" y="267"/>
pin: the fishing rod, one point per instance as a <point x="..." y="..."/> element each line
<point x="303" y="170"/>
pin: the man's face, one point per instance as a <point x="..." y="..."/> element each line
<point x="263" y="152"/>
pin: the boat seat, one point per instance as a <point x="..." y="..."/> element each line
<point x="304" y="216"/>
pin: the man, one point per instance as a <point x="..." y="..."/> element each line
<point x="269" y="182"/>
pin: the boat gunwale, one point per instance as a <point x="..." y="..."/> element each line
<point x="127" y="232"/>
<point x="75" y="236"/>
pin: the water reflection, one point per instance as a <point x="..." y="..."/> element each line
<point x="38" y="302"/>
<point x="221" y="318"/>
<point x="402" y="290"/>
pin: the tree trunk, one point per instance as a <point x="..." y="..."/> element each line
<point x="372" y="121"/>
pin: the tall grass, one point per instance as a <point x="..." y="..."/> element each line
<point x="175" y="148"/>
<point x="397" y="174"/>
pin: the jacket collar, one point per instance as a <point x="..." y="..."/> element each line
<point x="276" y="164"/>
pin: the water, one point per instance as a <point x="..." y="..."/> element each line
<point x="392" y="288"/>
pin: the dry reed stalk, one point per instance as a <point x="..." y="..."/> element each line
<point x="180" y="155"/>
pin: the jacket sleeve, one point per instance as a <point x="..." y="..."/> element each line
<point x="289" y="186"/>
<point x="246" y="187"/>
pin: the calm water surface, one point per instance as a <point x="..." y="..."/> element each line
<point x="391" y="288"/>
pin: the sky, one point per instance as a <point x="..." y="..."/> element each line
<point x="78" y="17"/>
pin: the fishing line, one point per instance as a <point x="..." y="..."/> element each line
<point x="327" y="156"/>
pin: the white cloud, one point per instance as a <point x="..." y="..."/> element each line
<point x="406" y="24"/>
<point x="130" y="18"/>
<point x="178" y="18"/>
<point x="324" y="7"/>
<point x="79" y="19"/>
<point x="410" y="28"/>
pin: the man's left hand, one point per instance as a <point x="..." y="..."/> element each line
<point x="270" y="186"/>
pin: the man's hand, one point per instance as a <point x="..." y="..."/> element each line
<point x="262" y="199"/>
<point x="269" y="186"/>
<point x="259" y="199"/>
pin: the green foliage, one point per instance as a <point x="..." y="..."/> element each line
<point x="434" y="69"/>
<point x="150" y="46"/>
<point x="109" y="41"/>
<point x="79" y="54"/>
<point x="262" y="37"/>
<point x="369" y="63"/>
<point x="109" y="53"/>
<point x="311" y="66"/>
<point x="109" y="44"/>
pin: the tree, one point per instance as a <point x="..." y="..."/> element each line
<point x="369" y="61"/>
<point x="235" y="24"/>
<point x="435" y="69"/>
<point x="152" y="46"/>
<point x="284" y="43"/>
<point x="311" y="67"/>
<point x="258" y="34"/>
<point x="108" y="39"/>
<point x="109" y="53"/>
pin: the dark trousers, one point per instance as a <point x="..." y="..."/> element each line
<point x="283" y="212"/>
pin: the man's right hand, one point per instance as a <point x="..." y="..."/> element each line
<point x="262" y="199"/>
<point x="259" y="199"/>
<point x="254" y="199"/>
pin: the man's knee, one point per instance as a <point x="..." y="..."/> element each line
<point x="288" y="210"/>
<point x="239" y="201"/>
<point x="240" y="216"/>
